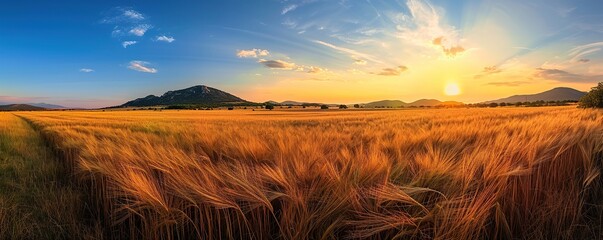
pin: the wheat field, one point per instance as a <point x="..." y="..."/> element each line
<point x="527" y="173"/>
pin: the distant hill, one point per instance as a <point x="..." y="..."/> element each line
<point x="418" y="103"/>
<point x="197" y="95"/>
<point x="386" y="104"/>
<point x="295" y="103"/>
<point x="47" y="106"/>
<point x="20" y="107"/>
<point x="424" y="102"/>
<point x="555" y="94"/>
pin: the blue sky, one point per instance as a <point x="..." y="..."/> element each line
<point x="103" y="53"/>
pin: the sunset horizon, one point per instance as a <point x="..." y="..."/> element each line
<point x="107" y="53"/>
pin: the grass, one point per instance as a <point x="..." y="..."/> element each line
<point x="414" y="174"/>
<point x="35" y="200"/>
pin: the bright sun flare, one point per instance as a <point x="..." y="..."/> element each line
<point x="452" y="89"/>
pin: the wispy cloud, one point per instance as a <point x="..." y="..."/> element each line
<point x="140" y="30"/>
<point x="123" y="15"/>
<point x="392" y="71"/>
<point x="289" y="23"/>
<point x="141" y="66"/>
<point x="289" y="8"/>
<point x="315" y="70"/>
<point x="132" y="14"/>
<point x="86" y="70"/>
<point x="359" y="62"/>
<point x="489" y="70"/>
<point x="425" y="27"/>
<point x="578" y="53"/>
<point x="353" y="53"/>
<point x="564" y="76"/>
<point x="125" y="44"/>
<point x="165" y="39"/>
<point x="278" y="64"/>
<point x="252" y="53"/>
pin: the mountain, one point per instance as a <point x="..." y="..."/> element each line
<point x="555" y="94"/>
<point x="425" y="103"/>
<point x="197" y="95"/>
<point x="20" y="107"/>
<point x="418" y="103"/>
<point x="385" y="103"/>
<point x="47" y="106"/>
<point x="294" y="103"/>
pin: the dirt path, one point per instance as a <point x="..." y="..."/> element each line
<point x="36" y="200"/>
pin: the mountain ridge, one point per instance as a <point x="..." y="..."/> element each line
<point x="208" y="96"/>
<point x="195" y="95"/>
<point x="20" y="107"/>
<point x="555" y="94"/>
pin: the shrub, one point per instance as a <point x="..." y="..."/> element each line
<point x="593" y="99"/>
<point x="324" y="107"/>
<point x="269" y="106"/>
<point x="343" y="106"/>
<point x="356" y="105"/>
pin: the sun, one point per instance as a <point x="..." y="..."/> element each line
<point x="452" y="89"/>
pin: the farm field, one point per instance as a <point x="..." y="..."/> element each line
<point x="423" y="174"/>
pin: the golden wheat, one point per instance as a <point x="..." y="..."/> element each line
<point x="424" y="174"/>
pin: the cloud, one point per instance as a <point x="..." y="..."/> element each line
<point x="315" y="70"/>
<point x="121" y="15"/>
<point x="359" y="62"/>
<point x="507" y="84"/>
<point x="140" y="30"/>
<point x="580" y="49"/>
<point x="165" y="39"/>
<point x="353" y="53"/>
<point x="289" y="8"/>
<point x="425" y="27"/>
<point x="392" y="71"/>
<point x="489" y="70"/>
<point x="252" y="53"/>
<point x="86" y="70"/>
<point x="449" y="50"/>
<point x="564" y="76"/>
<point x="583" y="60"/>
<point x="578" y="55"/>
<point x="133" y="15"/>
<point x="125" y="44"/>
<point x="141" y="66"/>
<point x="277" y="64"/>
<point x="289" y="23"/>
<point x="492" y="69"/>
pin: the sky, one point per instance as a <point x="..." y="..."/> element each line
<point x="103" y="53"/>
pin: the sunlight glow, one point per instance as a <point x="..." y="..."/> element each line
<point x="452" y="89"/>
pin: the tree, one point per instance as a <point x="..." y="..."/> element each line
<point x="493" y="105"/>
<point x="503" y="104"/>
<point x="593" y="99"/>
<point x="343" y="106"/>
<point x="356" y="105"/>
<point x="324" y="107"/>
<point x="269" y="106"/>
